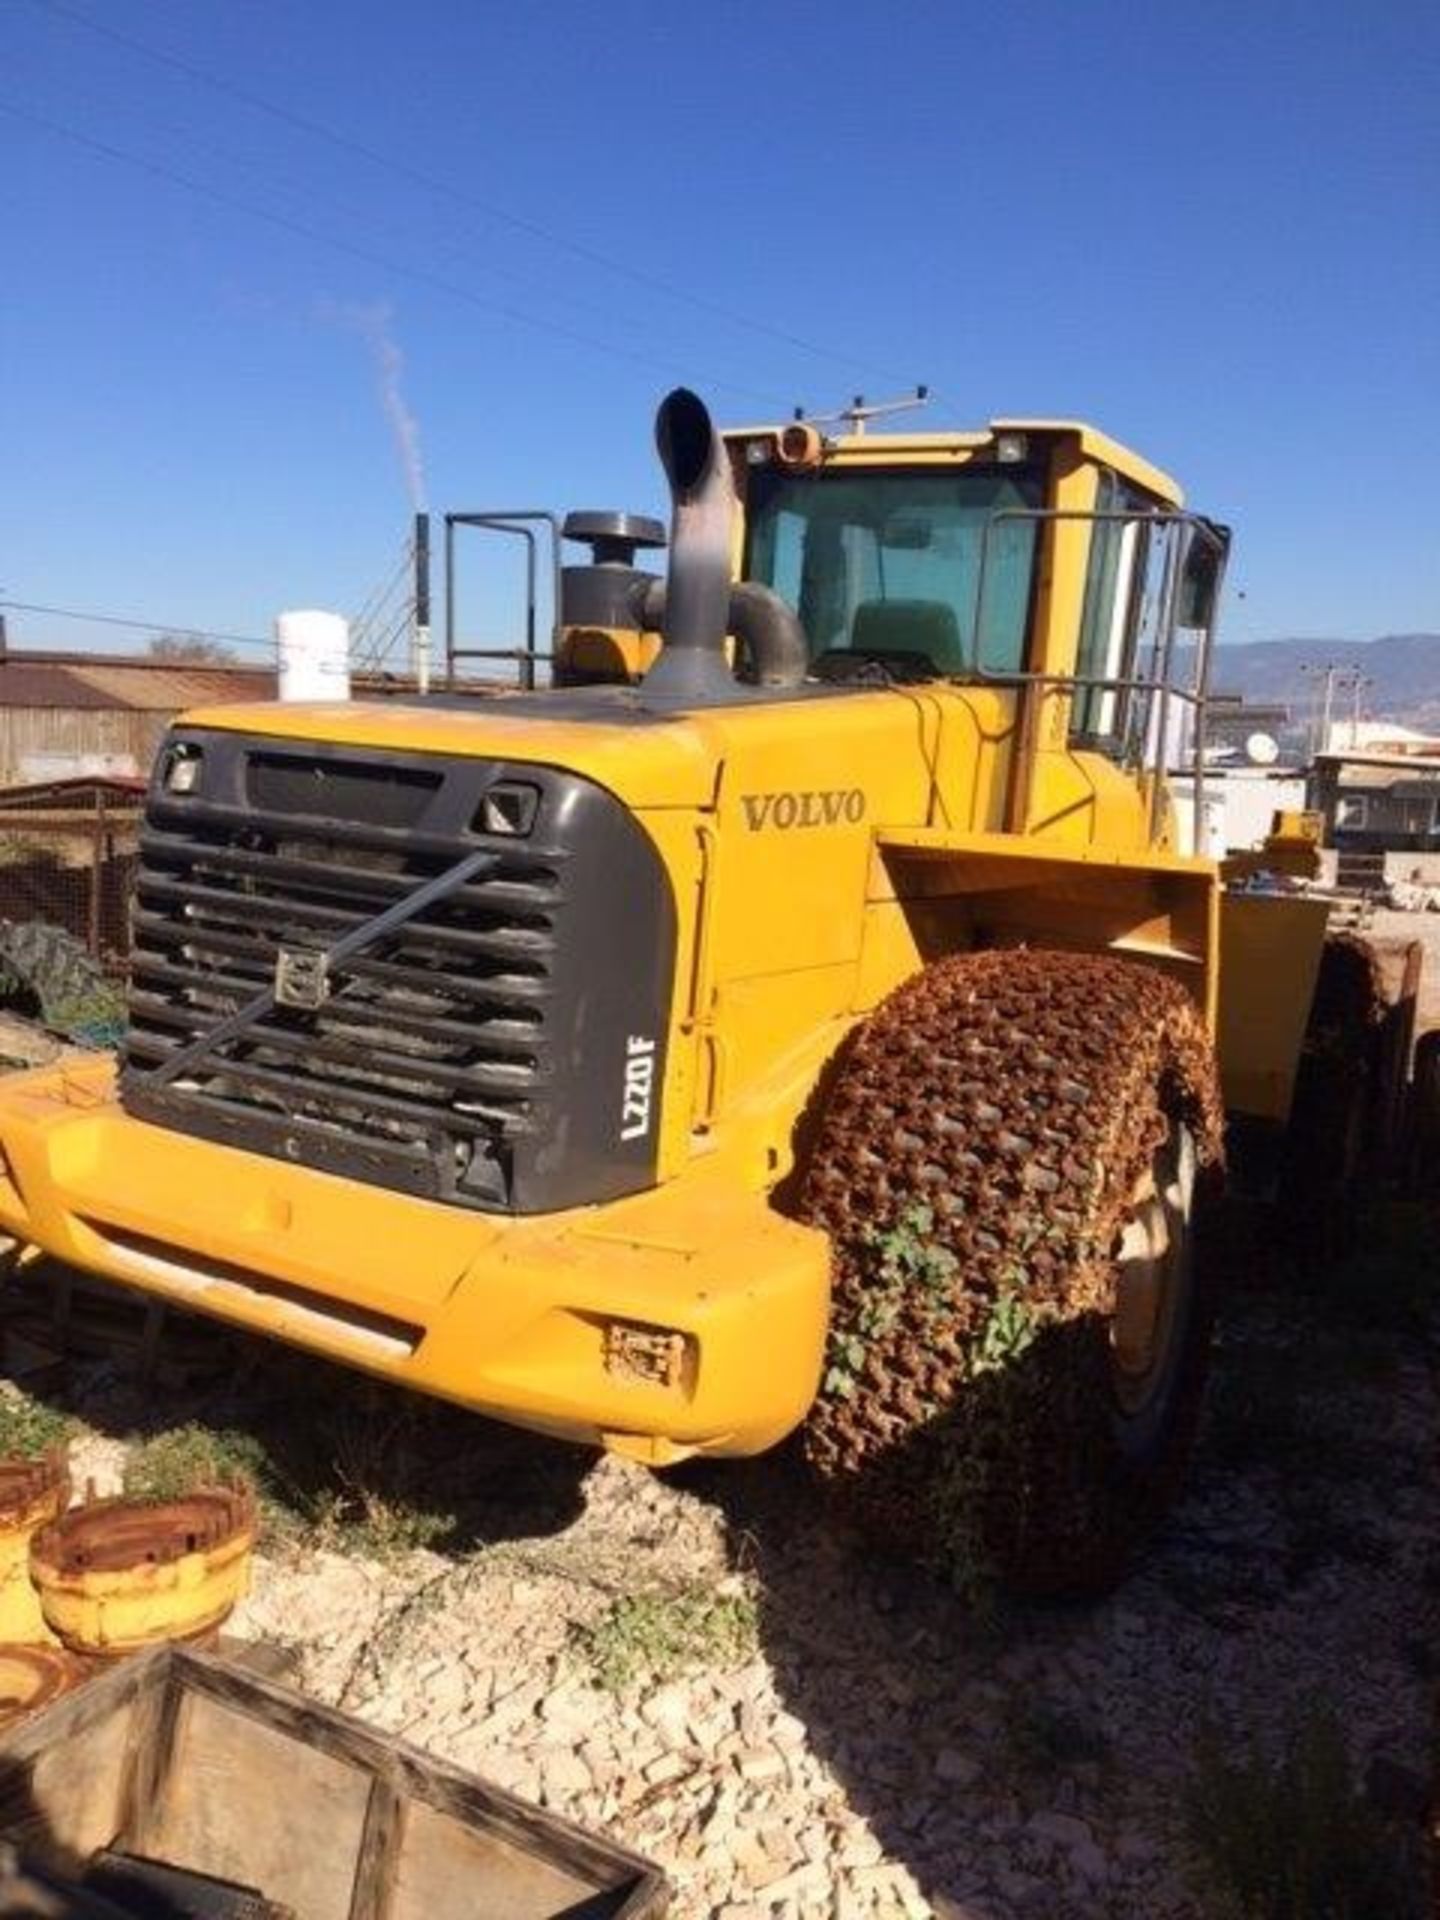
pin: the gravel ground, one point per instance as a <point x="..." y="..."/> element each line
<point x="879" y="1750"/>
<point x="23" y="1044"/>
<point x="873" y="1748"/>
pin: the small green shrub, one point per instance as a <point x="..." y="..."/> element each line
<point x="1287" y="1836"/>
<point x="29" y="1428"/>
<point x="657" y="1636"/>
<point x="373" y="1483"/>
<point x="174" y="1463"/>
<point x="358" y="1519"/>
<point x="337" y="1505"/>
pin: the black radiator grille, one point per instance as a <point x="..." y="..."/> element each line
<point x="429" y="1058"/>
<point x="477" y="1053"/>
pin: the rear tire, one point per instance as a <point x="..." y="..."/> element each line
<point x="1322" y="1168"/>
<point x="1009" y="1166"/>
<point x="49" y="970"/>
<point x="1424" y="1124"/>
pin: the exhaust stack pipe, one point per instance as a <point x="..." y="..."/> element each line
<point x="698" y="605"/>
<point x="702" y="513"/>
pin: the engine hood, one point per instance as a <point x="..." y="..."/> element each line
<point x="646" y="759"/>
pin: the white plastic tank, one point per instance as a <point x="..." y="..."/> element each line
<point x="314" y="652"/>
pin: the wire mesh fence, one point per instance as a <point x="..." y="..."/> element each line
<point x="72" y="864"/>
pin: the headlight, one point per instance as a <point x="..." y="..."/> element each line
<point x="182" y="770"/>
<point x="508" y="808"/>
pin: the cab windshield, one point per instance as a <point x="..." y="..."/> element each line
<point x="887" y="562"/>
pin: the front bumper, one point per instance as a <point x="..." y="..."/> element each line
<point x="518" y="1318"/>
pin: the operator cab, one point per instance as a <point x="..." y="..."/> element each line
<point x="1035" y="554"/>
<point x="883" y="565"/>
<point x="923" y="555"/>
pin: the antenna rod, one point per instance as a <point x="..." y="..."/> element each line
<point x="861" y="411"/>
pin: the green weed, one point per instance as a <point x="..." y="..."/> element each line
<point x="657" y="1636"/>
<point x="1010" y="1327"/>
<point x="358" y="1519"/>
<point x="174" y="1463"/>
<point x="907" y="1263"/>
<point x="331" y="1498"/>
<point x="1288" y="1836"/>
<point x="907" y="1255"/>
<point x="373" y="1481"/>
<point x="29" y="1427"/>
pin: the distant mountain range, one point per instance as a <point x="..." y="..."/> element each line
<point x="1403" y="670"/>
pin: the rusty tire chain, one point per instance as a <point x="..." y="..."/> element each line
<point x="1019" y="1096"/>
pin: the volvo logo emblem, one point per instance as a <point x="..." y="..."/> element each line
<point x="302" y="978"/>
<point x="830" y="807"/>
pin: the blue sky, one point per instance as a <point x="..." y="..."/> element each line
<point x="1213" y="231"/>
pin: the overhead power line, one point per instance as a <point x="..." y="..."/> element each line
<point x="291" y="189"/>
<point x="436" y="183"/>
<point x="180" y="628"/>
<point x="320" y="238"/>
<point x="400" y="576"/>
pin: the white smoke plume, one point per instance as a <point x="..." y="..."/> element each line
<point x="373" y="324"/>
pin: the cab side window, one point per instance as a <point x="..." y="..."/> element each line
<point x="1110" y="620"/>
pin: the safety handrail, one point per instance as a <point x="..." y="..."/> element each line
<point x="521" y="523"/>
<point x="1161" y="682"/>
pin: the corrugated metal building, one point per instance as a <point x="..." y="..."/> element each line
<point x="1380" y="802"/>
<point x="67" y="714"/>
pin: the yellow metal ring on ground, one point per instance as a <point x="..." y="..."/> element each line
<point x="31" y="1677"/>
<point x="33" y="1493"/>
<point x="117" y="1575"/>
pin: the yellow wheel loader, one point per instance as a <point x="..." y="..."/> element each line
<point x="800" y="1013"/>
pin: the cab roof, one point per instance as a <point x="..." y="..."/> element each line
<point x="875" y="449"/>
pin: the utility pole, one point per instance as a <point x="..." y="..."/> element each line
<point x="1321" y="703"/>
<point x="1357" y="685"/>
<point x="420" y="626"/>
<point x="1328" y="709"/>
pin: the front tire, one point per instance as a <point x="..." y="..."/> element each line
<point x="1009" y="1167"/>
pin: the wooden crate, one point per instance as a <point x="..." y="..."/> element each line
<point x="180" y="1757"/>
